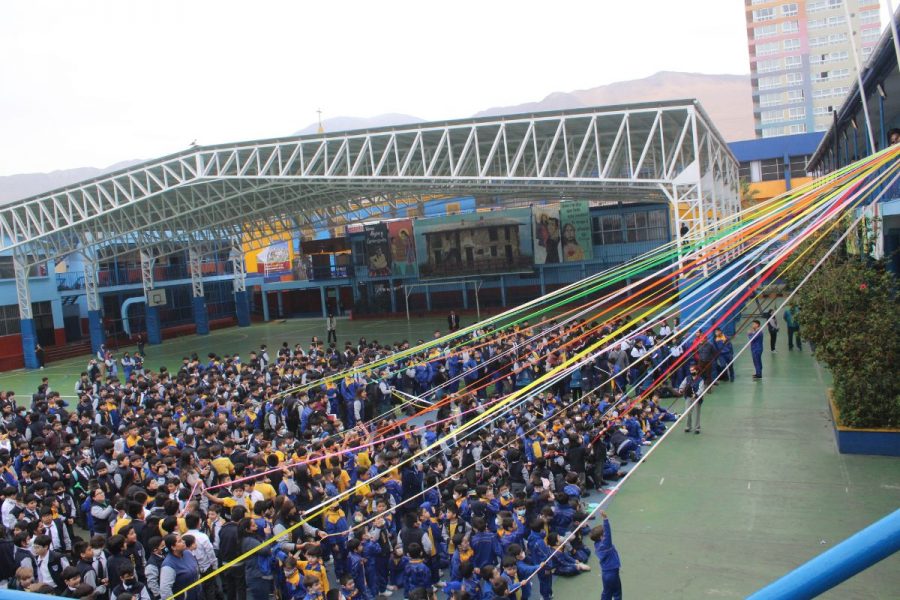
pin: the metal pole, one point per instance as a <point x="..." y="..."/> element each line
<point x="477" y="305"/>
<point x="855" y="554"/>
<point x="859" y="81"/>
<point x="406" y="297"/>
<point x="894" y="32"/>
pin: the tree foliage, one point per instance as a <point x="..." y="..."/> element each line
<point x="849" y="310"/>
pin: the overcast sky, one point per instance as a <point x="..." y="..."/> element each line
<point x="90" y="83"/>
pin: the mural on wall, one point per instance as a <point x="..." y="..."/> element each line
<point x="403" y="248"/>
<point x="577" y="243"/>
<point x="474" y="244"/>
<point x="547" y="235"/>
<point x="378" y="250"/>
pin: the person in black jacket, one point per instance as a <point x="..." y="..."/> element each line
<point x="229" y="549"/>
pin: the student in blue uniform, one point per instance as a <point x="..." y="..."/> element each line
<point x="756" y="347"/>
<point x="609" y="559"/>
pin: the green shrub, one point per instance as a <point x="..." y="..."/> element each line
<point x="849" y="310"/>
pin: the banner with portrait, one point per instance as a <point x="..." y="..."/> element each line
<point x="577" y="243"/>
<point x="547" y="235"/>
<point x="403" y="248"/>
<point x="378" y="250"/>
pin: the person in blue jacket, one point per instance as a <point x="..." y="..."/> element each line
<point x="601" y="535"/>
<point x="417" y="574"/>
<point x="756" y="347"/>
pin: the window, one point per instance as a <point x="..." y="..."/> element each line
<point x="769" y="99"/>
<point x="767" y="66"/>
<point x="837" y="38"/>
<point x="607" y="229"/>
<point x="816" y="23"/>
<point x="790" y="27"/>
<point x="9" y="319"/>
<point x="768" y="116"/>
<point x="763" y="14"/>
<point x="764" y="31"/>
<point x="789" y="10"/>
<point x="8" y="272"/>
<point x="772" y="169"/>
<point x="766" y="83"/>
<point x="772" y="131"/>
<point x="834" y="21"/>
<point x="492" y="234"/>
<point x="817" y="41"/>
<point x="798" y="165"/>
<point x="770" y="48"/>
<point x="869" y="16"/>
<point x="870" y="35"/>
<point x="792" y="44"/>
<point x="792" y="62"/>
<point x="794" y="96"/>
<point x="797" y="113"/>
<point x="798" y="128"/>
<point x="645" y="226"/>
<point x="794" y="78"/>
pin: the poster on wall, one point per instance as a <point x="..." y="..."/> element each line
<point x="274" y="258"/>
<point x="378" y="250"/>
<point x="547" y="235"/>
<point x="577" y="244"/>
<point x="403" y="248"/>
<point x="475" y="244"/>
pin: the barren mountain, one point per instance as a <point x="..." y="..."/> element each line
<point x="726" y="98"/>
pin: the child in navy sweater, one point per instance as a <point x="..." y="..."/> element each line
<point x="609" y="559"/>
<point x="417" y="574"/>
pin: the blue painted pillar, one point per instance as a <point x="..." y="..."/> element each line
<point x="29" y="340"/>
<point x="465" y="295"/>
<point x="154" y="326"/>
<point x="279" y="297"/>
<point x="242" y="308"/>
<point x="323" y="297"/>
<point x="95" y="328"/>
<point x="503" y="290"/>
<point x="428" y="298"/>
<point x="543" y="285"/>
<point x="201" y="315"/>
<point x="265" y="304"/>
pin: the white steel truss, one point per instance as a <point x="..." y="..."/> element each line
<point x="23" y="292"/>
<point x="195" y="264"/>
<point x="203" y="197"/>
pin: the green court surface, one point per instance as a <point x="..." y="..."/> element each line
<point x="717" y="515"/>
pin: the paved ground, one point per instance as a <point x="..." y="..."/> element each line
<point x="718" y="515"/>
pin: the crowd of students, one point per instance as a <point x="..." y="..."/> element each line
<point x="392" y="472"/>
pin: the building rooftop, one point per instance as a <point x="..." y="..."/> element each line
<point x="800" y="144"/>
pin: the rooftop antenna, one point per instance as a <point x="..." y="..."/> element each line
<point x="321" y="125"/>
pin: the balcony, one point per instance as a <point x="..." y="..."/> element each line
<point x="131" y="275"/>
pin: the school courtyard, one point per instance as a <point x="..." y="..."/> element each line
<point x="717" y="515"/>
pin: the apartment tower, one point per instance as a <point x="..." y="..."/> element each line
<point x="801" y="60"/>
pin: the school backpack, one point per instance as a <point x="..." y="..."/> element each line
<point x="89" y="518"/>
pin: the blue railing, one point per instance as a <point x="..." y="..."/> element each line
<point x="131" y="275"/>
<point x="854" y="555"/>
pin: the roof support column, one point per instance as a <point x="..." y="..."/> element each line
<point x="241" y="296"/>
<point x="153" y="323"/>
<point x="92" y="296"/>
<point x="23" y="296"/>
<point x="198" y="297"/>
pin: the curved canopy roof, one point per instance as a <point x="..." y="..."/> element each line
<point x="205" y="195"/>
